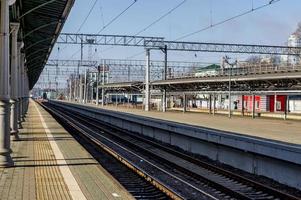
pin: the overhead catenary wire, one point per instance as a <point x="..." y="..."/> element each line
<point x="82" y="24"/>
<point x="227" y="20"/>
<point x="110" y="22"/>
<point x="86" y="18"/>
<point x="117" y="16"/>
<point x="101" y="13"/>
<point x="154" y="22"/>
<point x="217" y="24"/>
<point x="161" y="17"/>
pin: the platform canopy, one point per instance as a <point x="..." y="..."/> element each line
<point x="41" y="22"/>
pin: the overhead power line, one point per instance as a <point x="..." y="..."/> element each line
<point x="108" y="24"/>
<point x="117" y="16"/>
<point x="161" y="17"/>
<point x="82" y="24"/>
<point x="217" y="24"/>
<point x="227" y="20"/>
<point x="85" y="20"/>
<point x="154" y="22"/>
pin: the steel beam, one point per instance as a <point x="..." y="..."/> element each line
<point x="73" y="63"/>
<point x="120" y="40"/>
<point x="159" y="43"/>
<point x="224" y="47"/>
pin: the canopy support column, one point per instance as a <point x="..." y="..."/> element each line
<point x="14" y="97"/>
<point x="5" y="158"/>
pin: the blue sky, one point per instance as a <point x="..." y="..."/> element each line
<point x="270" y="25"/>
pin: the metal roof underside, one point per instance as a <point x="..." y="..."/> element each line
<point x="41" y="22"/>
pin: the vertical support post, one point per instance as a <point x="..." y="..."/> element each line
<point x="253" y="106"/>
<point x="81" y="52"/>
<point x="85" y="87"/>
<point x="230" y="71"/>
<point x="70" y="90"/>
<point x="22" y="79"/>
<point x="97" y="89"/>
<point x="5" y="158"/>
<point x="56" y="80"/>
<point x="243" y="105"/>
<point x="164" y="78"/>
<point x="14" y="81"/>
<point x="184" y="103"/>
<point x="210" y="104"/>
<point x="77" y="82"/>
<point x="20" y="64"/>
<point x="147" y="81"/>
<point x="164" y="101"/>
<point x="128" y="101"/>
<point x="75" y="87"/>
<point x="214" y="103"/>
<point x="103" y="83"/>
<point x="286" y="107"/>
<point x="275" y="102"/>
<point x="26" y="93"/>
<point x="80" y="89"/>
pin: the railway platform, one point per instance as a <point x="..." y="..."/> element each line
<point x="287" y="131"/>
<point x="50" y="164"/>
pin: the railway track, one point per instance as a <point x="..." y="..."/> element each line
<point x="177" y="174"/>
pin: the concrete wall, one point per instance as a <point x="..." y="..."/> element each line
<point x="279" y="161"/>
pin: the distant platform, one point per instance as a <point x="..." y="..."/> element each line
<point x="51" y="164"/>
<point x="287" y="131"/>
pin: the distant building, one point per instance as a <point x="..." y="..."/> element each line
<point x="294" y="40"/>
<point x="210" y="70"/>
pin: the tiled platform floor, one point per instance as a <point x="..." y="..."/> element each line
<point x="51" y="164"/>
<point x="288" y="131"/>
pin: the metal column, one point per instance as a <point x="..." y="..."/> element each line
<point x="75" y="89"/>
<point x="253" y="106"/>
<point x="26" y="93"/>
<point x="275" y="103"/>
<point x="147" y="81"/>
<point x="184" y="103"/>
<point x="70" y="89"/>
<point x="128" y="100"/>
<point x="85" y="87"/>
<point x="20" y="74"/>
<point x="214" y="103"/>
<point x="14" y="81"/>
<point x="80" y="89"/>
<point x="165" y="77"/>
<point x="23" y="74"/>
<point x="243" y="105"/>
<point x="97" y="89"/>
<point x="103" y="83"/>
<point x="5" y="158"/>
<point x="210" y="104"/>
<point x="286" y="107"/>
<point x="230" y="73"/>
<point x="164" y="100"/>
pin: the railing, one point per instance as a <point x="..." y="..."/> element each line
<point x="245" y="69"/>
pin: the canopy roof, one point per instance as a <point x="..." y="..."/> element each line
<point x="41" y="22"/>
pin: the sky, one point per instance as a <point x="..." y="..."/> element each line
<point x="270" y="25"/>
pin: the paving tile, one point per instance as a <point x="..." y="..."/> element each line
<point x="37" y="173"/>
